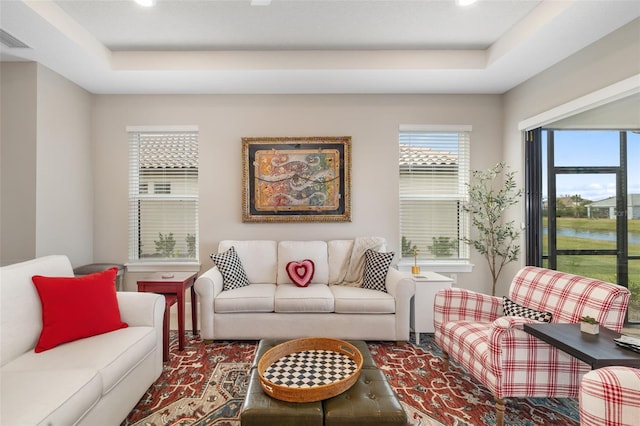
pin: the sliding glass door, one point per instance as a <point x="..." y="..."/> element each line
<point x="589" y="206"/>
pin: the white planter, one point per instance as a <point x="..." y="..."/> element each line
<point x="589" y="328"/>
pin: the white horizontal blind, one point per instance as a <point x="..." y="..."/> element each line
<point x="163" y="195"/>
<point x="434" y="170"/>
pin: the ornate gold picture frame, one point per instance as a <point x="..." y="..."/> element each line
<point x="291" y="179"/>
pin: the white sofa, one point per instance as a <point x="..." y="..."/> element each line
<point x="273" y="307"/>
<point x="92" y="381"/>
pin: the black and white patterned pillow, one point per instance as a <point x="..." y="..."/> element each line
<point x="233" y="275"/>
<point x="376" y="266"/>
<point x="513" y="309"/>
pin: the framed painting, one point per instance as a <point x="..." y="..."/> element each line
<point x="290" y="179"/>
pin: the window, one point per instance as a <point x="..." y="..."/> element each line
<point x="434" y="170"/>
<point x="162" y="188"/>
<point x="163" y="222"/>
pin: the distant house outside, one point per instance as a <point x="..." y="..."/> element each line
<point x="163" y="199"/>
<point x="607" y="208"/>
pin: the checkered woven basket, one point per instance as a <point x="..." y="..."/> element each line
<point x="309" y="369"/>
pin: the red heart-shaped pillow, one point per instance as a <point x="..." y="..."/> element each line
<point x="301" y="273"/>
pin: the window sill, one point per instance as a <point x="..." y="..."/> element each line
<point x="163" y="267"/>
<point x="446" y="266"/>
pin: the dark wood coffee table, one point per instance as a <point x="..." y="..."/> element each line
<point x="597" y="350"/>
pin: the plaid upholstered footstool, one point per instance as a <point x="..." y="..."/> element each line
<point x="370" y="400"/>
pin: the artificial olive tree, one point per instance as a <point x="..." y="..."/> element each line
<point x="491" y="193"/>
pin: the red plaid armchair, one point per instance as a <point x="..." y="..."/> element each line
<point x="471" y="328"/>
<point x="610" y="396"/>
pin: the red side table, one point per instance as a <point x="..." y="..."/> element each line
<point x="170" y="300"/>
<point x="173" y="284"/>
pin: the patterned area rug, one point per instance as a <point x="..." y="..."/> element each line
<point x="206" y="384"/>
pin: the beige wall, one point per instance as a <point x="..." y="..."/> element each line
<point x="18" y="118"/>
<point x="69" y="120"/>
<point x="371" y="120"/>
<point x="47" y="185"/>
<point x="64" y="217"/>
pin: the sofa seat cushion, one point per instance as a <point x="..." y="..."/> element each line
<point x="356" y="300"/>
<point x="316" y="251"/>
<point x="253" y="298"/>
<point x="314" y="298"/>
<point x="112" y="354"/>
<point x="56" y="397"/>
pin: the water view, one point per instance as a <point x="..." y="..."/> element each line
<point x="634" y="238"/>
<point x="597" y="234"/>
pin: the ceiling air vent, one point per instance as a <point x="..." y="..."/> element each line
<point x="10" y="41"/>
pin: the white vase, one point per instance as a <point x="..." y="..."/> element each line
<point x="589" y="328"/>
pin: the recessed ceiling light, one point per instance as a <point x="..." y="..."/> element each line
<point x="146" y="3"/>
<point x="465" y="2"/>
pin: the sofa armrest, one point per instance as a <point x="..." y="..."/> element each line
<point x="458" y="304"/>
<point x="400" y="284"/>
<point x="141" y="309"/>
<point x="208" y="286"/>
<point x="511" y="349"/>
<point x="507" y="322"/>
<point x="144" y="310"/>
<point x="402" y="287"/>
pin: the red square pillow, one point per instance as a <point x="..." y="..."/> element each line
<point x="73" y="308"/>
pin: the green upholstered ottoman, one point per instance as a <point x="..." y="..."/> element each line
<point x="260" y="409"/>
<point x="370" y="401"/>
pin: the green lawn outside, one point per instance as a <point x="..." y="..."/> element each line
<point x="600" y="267"/>
<point x="594" y="224"/>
